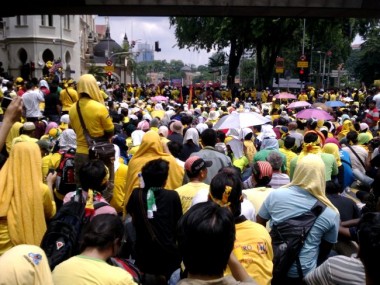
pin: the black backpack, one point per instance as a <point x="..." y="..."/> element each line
<point x="288" y="238"/>
<point x="65" y="182"/>
<point x="61" y="239"/>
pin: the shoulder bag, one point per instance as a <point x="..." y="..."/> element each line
<point x="97" y="148"/>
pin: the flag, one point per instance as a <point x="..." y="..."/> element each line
<point x="190" y="96"/>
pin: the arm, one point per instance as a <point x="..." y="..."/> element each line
<point x="12" y="115"/>
<point x="261" y="221"/>
<point x="238" y="271"/>
<point x="320" y="275"/>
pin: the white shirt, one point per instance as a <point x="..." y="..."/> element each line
<point x="31" y="100"/>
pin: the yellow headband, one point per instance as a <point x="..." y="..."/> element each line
<point x="224" y="202"/>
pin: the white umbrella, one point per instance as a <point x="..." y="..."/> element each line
<point x="240" y="120"/>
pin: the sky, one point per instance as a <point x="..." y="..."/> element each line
<point x="149" y="30"/>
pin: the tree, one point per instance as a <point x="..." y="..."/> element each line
<point x="97" y="71"/>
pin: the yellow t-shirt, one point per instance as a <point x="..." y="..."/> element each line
<point x="188" y="191"/>
<point x="119" y="188"/>
<point x="253" y="248"/>
<point x="96" y="119"/>
<point x="302" y="97"/>
<point x="86" y="270"/>
<point x="45" y="166"/>
<point x="289" y="156"/>
<point x="68" y="100"/>
<point x="250" y="150"/>
<point x="241" y="162"/>
<point x="54" y="160"/>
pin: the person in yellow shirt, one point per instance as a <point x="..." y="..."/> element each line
<point x="253" y="244"/>
<point x="302" y="96"/>
<point x="120" y="181"/>
<point x="97" y="121"/>
<point x="68" y="96"/>
<point x="101" y="240"/>
<point x="287" y="150"/>
<point x="196" y="171"/>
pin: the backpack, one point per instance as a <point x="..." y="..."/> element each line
<point x="288" y="238"/>
<point x="65" y="181"/>
<point x="61" y="239"/>
<point x="128" y="266"/>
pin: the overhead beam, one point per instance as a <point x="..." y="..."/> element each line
<point x="254" y="8"/>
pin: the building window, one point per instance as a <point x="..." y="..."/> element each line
<point x="66" y="22"/>
<point x="21" y="20"/>
<point x="43" y="20"/>
<point x="50" y="20"/>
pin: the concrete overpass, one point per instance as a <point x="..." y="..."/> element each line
<point x="259" y="8"/>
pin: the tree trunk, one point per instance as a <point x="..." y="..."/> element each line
<point x="233" y="62"/>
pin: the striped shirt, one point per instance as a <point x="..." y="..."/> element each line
<point x="338" y="269"/>
<point x="278" y="180"/>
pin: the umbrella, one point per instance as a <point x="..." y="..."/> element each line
<point x="299" y="104"/>
<point x="334" y="104"/>
<point x="314" y="113"/>
<point x="240" y="120"/>
<point x="285" y="95"/>
<point x="159" y="98"/>
<point x="348" y="99"/>
<point x="322" y="106"/>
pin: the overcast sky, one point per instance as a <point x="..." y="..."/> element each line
<point x="151" y="29"/>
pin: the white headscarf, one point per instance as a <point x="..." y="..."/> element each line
<point x="68" y="139"/>
<point x="137" y="136"/>
<point x="201" y="127"/>
<point x="191" y="134"/>
<point x="163" y="130"/>
<point x="116" y="163"/>
<point x="245" y="131"/>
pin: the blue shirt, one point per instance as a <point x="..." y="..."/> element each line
<point x="285" y="203"/>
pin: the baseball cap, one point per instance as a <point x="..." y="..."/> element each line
<point x="29" y="126"/>
<point x="194" y="164"/>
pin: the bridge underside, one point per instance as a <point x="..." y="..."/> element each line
<point x="258" y="8"/>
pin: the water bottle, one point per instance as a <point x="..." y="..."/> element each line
<point x="141" y="180"/>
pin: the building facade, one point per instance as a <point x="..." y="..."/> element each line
<point x="27" y="43"/>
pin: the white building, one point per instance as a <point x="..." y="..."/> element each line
<point x="31" y="41"/>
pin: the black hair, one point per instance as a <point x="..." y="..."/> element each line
<point x="186" y="119"/>
<point x="369" y="244"/>
<point x="282" y="121"/>
<point x="352" y="136"/>
<point x="155" y="173"/>
<point x="220" y="135"/>
<point x="206" y="236"/>
<point x="310" y="137"/>
<point x="101" y="232"/>
<point x="175" y="148"/>
<point x="289" y="142"/>
<point x="312" y="124"/>
<point x="228" y="177"/>
<point x="258" y="128"/>
<point x="248" y="136"/>
<point x="208" y="137"/>
<point x="92" y="174"/>
<point x="332" y="187"/>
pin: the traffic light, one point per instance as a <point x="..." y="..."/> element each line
<point x="32" y="66"/>
<point x="157" y="46"/>
<point x="109" y="73"/>
<point x="302" y="75"/>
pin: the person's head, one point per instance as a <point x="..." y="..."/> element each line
<point x="332" y="187"/>
<point x="292" y="126"/>
<point x="155" y="173"/>
<point x="262" y="173"/>
<point x="220" y="136"/>
<point x="87" y="86"/>
<point x="29" y="129"/>
<point x="371" y="104"/>
<point x="226" y="191"/>
<point x="206" y="235"/>
<point x="352" y="137"/>
<point x="208" y="137"/>
<point x="275" y="160"/>
<point x="25" y="264"/>
<point x="311" y="137"/>
<point x="176" y="127"/>
<point x="103" y="232"/>
<point x="289" y="142"/>
<point x="94" y="175"/>
<point x="175" y="148"/>
<point x="196" y="167"/>
<point x="369" y="245"/>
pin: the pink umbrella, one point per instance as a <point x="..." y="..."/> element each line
<point x="159" y="98"/>
<point x="298" y="104"/>
<point x="285" y="95"/>
<point x="314" y="113"/>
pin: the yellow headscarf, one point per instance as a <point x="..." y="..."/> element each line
<point x="87" y="84"/>
<point x="21" y="194"/>
<point x="333" y="149"/>
<point x="347" y="127"/>
<point x="25" y="264"/>
<point x="151" y="148"/>
<point x="311" y="147"/>
<point x="310" y="176"/>
<point x="13" y="133"/>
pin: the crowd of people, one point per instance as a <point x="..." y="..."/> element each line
<point x="200" y="200"/>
